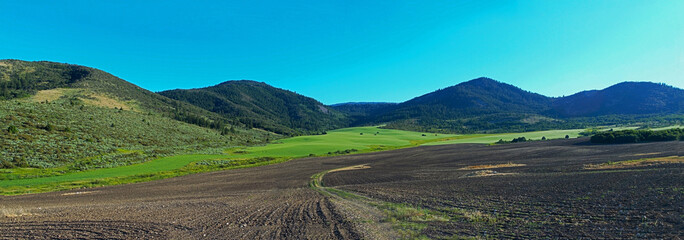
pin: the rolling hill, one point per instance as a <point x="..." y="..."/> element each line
<point x="56" y="114"/>
<point x="260" y="105"/>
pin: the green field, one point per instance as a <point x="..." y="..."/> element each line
<point x="492" y="138"/>
<point x="341" y="141"/>
<point x="372" y="139"/>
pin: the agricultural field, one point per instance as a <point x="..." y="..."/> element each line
<point x="564" y="188"/>
<point x="337" y="142"/>
<point x="492" y="138"/>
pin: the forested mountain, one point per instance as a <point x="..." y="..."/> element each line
<point x="483" y="104"/>
<point x="363" y="112"/>
<point x="622" y="98"/>
<point x="361" y="108"/>
<point x="472" y="106"/>
<point x="475" y="97"/>
<point x="260" y="105"/>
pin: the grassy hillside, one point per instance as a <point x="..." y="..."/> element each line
<point x="23" y="79"/>
<point x="67" y="132"/>
<point x="259" y="105"/>
<point x="75" y="118"/>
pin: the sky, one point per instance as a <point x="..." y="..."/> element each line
<point x="356" y="51"/>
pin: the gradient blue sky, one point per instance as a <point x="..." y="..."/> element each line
<point x="341" y="51"/>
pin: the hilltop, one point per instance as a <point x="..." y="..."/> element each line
<point x="260" y="105"/>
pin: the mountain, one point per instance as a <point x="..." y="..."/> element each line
<point x="359" y="112"/>
<point x="471" y="106"/>
<point x="632" y="98"/>
<point x="76" y="117"/>
<point x="481" y="96"/>
<point x="486" y="105"/>
<point x="260" y="105"/>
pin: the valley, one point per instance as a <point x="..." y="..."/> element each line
<point x="89" y="155"/>
<point x="532" y="189"/>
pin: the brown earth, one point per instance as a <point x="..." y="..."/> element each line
<point x="551" y="196"/>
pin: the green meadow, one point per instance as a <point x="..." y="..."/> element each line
<point x="492" y="138"/>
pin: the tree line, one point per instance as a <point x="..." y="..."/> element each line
<point x="636" y="136"/>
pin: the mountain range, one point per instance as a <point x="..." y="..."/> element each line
<point x="481" y="104"/>
<point x="56" y="114"/>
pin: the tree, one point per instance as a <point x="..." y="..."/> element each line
<point x="543" y="137"/>
<point x="567" y="136"/>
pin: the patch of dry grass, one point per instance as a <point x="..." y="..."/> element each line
<point x="77" y="193"/>
<point x="51" y="94"/>
<point x="87" y="97"/>
<point x="107" y="102"/>
<point x="636" y="163"/>
<point x="646" y="154"/>
<point x="505" y="165"/>
<point x="14" y="212"/>
<point x="485" y="173"/>
<point x="357" y="167"/>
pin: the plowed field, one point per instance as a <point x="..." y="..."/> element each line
<point x="529" y="190"/>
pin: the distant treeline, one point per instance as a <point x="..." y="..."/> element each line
<point x="635" y="136"/>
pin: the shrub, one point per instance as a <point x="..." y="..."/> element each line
<point x="520" y="139"/>
<point x="12" y="129"/>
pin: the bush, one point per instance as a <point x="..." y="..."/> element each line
<point x="520" y="139"/>
<point x="12" y="129"/>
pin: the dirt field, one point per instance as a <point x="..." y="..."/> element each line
<point x="541" y="190"/>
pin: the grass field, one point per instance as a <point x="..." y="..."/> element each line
<point x="362" y="139"/>
<point x="492" y="138"/>
<point x="342" y="141"/>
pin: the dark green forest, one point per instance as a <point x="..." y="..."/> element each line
<point x="637" y="136"/>
<point x="258" y="105"/>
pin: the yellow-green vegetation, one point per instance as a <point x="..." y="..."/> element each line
<point x="489" y="166"/>
<point x="342" y="141"/>
<point x="492" y="138"/>
<point x="636" y="163"/>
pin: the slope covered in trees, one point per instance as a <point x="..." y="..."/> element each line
<point x="260" y="105"/>
<point x="486" y="105"/>
<point x="622" y="98"/>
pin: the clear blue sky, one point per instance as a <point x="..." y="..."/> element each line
<point x="340" y="51"/>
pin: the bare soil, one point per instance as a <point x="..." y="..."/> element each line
<point x="551" y="196"/>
